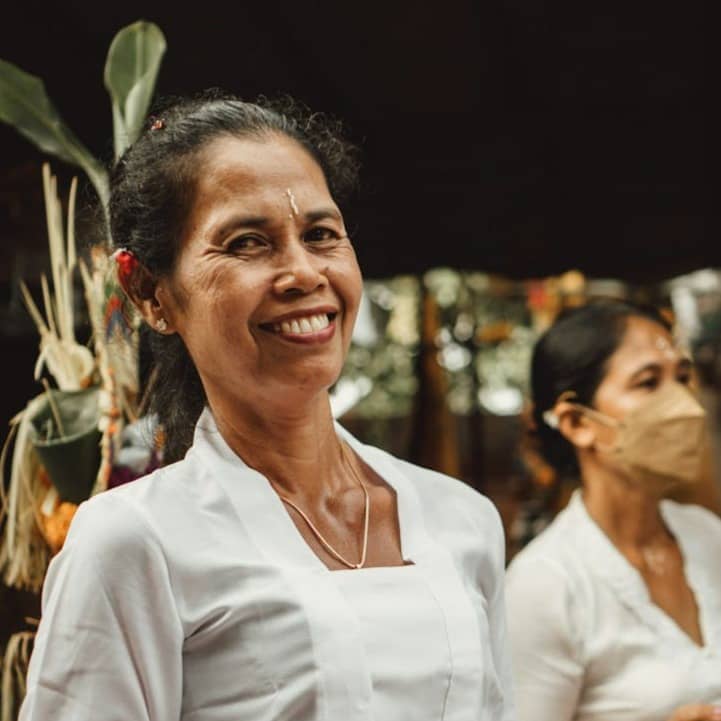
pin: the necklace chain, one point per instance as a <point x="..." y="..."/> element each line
<point x="366" y="519"/>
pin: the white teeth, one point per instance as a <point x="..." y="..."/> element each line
<point x="299" y="326"/>
<point x="322" y="320"/>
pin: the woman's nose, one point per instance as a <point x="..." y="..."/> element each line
<point x="298" y="271"/>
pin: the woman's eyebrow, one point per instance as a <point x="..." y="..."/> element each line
<point x="684" y="363"/>
<point x="260" y="221"/>
<point x="648" y="367"/>
<point x="239" y="221"/>
<point x="323" y="213"/>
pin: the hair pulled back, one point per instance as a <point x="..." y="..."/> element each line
<point x="573" y="355"/>
<point x="151" y="191"/>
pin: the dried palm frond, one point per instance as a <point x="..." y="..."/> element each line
<point x="24" y="553"/>
<point x="71" y="364"/>
<point x="14" y="670"/>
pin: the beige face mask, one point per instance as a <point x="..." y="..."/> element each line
<point x="660" y="443"/>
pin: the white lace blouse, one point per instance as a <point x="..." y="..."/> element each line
<point x="191" y="595"/>
<point x="587" y="641"/>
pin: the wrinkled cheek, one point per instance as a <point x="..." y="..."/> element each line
<point x="210" y="333"/>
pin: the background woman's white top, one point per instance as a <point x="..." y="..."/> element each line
<point x="587" y="641"/>
<point x="190" y="594"/>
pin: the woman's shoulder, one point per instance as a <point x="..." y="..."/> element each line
<point x="433" y="485"/>
<point x="692" y="515"/>
<point x="554" y="552"/>
<point x="698" y="529"/>
<point x="550" y="588"/>
<point x="109" y="539"/>
<point x="114" y="517"/>
<point x="440" y="491"/>
<point x="453" y="513"/>
<point x="141" y="511"/>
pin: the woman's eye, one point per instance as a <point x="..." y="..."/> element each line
<point x="685" y="378"/>
<point x="651" y="382"/>
<point x="320" y="235"/>
<point x="244" y="242"/>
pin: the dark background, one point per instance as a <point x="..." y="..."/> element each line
<point x="518" y="136"/>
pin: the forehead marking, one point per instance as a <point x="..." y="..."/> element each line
<point x="291" y="202"/>
<point x="670" y="350"/>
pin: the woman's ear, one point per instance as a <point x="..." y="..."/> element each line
<point x="148" y="294"/>
<point x="573" y="425"/>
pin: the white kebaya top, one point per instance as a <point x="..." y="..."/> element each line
<point x="587" y="641"/>
<point x="190" y="594"/>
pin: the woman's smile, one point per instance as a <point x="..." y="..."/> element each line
<point x="307" y="327"/>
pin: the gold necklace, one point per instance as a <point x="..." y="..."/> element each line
<point x="366" y="519"/>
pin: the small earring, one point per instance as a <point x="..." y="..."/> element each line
<point x="161" y="325"/>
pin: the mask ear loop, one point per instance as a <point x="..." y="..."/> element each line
<point x="603" y="420"/>
<point x="550" y="417"/>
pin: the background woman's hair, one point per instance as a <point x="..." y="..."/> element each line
<point x="151" y="190"/>
<point x="573" y="355"/>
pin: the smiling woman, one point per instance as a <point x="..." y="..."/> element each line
<point x="279" y="570"/>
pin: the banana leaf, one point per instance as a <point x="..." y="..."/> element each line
<point x="131" y="70"/>
<point x="25" y="105"/>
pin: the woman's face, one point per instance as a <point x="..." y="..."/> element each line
<point x="266" y="287"/>
<point x="645" y="361"/>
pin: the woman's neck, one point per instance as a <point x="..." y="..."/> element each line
<point x="628" y="515"/>
<point x="294" y="445"/>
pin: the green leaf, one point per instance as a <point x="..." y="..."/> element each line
<point x="25" y="105"/>
<point x="131" y="70"/>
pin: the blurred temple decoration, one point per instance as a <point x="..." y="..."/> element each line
<point x="375" y="398"/>
<point x="71" y="440"/>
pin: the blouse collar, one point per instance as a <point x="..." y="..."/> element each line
<point x="605" y="561"/>
<point x="263" y="514"/>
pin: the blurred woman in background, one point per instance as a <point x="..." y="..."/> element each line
<point x="615" y="609"/>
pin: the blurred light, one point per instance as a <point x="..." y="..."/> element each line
<point x="501" y="401"/>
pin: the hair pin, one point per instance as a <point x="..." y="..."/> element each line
<point x="157" y="124"/>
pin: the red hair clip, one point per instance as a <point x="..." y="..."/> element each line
<point x="127" y="262"/>
<point x="157" y="124"/>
